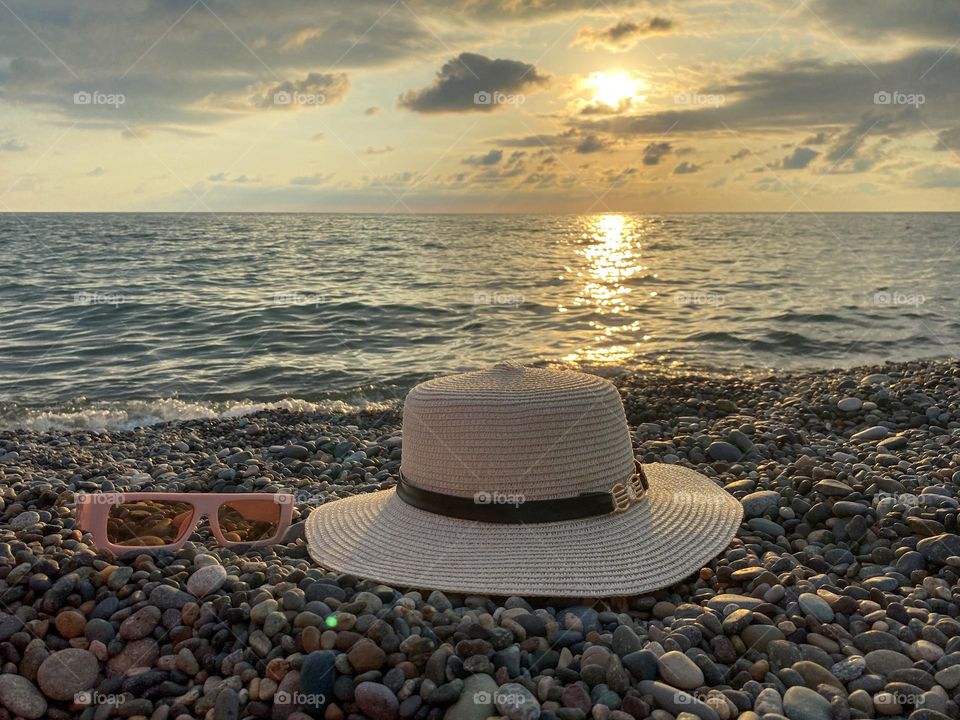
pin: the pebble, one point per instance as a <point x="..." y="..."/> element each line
<point x="678" y="670"/>
<point x="376" y="701"/>
<point x="800" y="703"/>
<point x="850" y="404"/>
<point x="20" y="697"/>
<point x="759" y="503"/>
<point x="813" y="604"/>
<point x="841" y="580"/>
<point x="877" y="432"/>
<point x="206" y="580"/>
<point x="723" y="451"/>
<point x="67" y="672"/>
<point x="515" y="702"/>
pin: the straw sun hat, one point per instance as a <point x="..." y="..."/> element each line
<point x="522" y="481"/>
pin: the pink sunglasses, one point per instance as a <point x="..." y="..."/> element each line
<point x="139" y="521"/>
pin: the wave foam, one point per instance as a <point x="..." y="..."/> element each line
<point x="128" y="415"/>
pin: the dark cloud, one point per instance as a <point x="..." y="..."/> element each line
<point x="383" y="150"/>
<point x="590" y="144"/>
<point x="490" y="158"/>
<point x="372" y="110"/>
<point x="472" y="82"/>
<point x="739" y="155"/>
<point x="813" y="95"/>
<point x="686" y="168"/>
<point x="797" y="160"/>
<point x="13" y="145"/>
<point x="190" y="63"/>
<point x="819" y="139"/>
<point x="877" y="20"/>
<point x="566" y="138"/>
<point x="948" y="140"/>
<point x="654" y="152"/>
<point x="622" y="35"/>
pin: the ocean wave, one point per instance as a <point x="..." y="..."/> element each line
<point x="128" y="415"/>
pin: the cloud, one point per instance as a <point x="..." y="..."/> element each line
<point x="372" y="110"/>
<point x="97" y="172"/>
<point x="877" y="20"/>
<point x="312" y="180"/>
<point x="739" y="155"/>
<point x="472" y="82"/>
<point x="812" y="95"/>
<point x="491" y="158"/>
<point x="654" y="152"/>
<point x="948" y="140"/>
<point x="686" y="168"/>
<point x="936" y="176"/>
<point x="797" y="160"/>
<point x="590" y="144"/>
<point x="314" y="90"/>
<point x="620" y="36"/>
<point x="371" y="150"/>
<point x="13" y="145"/>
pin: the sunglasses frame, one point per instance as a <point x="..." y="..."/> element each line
<point x="93" y="513"/>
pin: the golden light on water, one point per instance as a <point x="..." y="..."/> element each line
<point x="610" y="257"/>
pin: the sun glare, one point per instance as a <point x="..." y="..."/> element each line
<point x="614" y="88"/>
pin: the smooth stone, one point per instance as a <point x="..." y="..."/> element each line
<point x="884" y="662"/>
<point x="760" y="636"/>
<point x="25" y="520"/>
<point x="813" y="604"/>
<point x="680" y="671"/>
<point x="676" y="701"/>
<point x="758" y="503"/>
<point x="366" y="655"/>
<point x="476" y="700"/>
<point x="875" y="640"/>
<point x="20" y="697"/>
<point x="206" y="580"/>
<point x="849" y="668"/>
<point x="737" y="621"/>
<point x="850" y="404"/>
<point x="949" y="677"/>
<point x="625" y="641"/>
<point x="376" y="701"/>
<point x="719" y="602"/>
<point x="877" y="432"/>
<point x="227" y="705"/>
<point x="141" y="623"/>
<point x="641" y="664"/>
<point x="67" y="672"/>
<point x="317" y="676"/>
<point x="940" y="547"/>
<point x="814" y="674"/>
<point x="515" y="702"/>
<point x="800" y="703"/>
<point x="723" y="451"/>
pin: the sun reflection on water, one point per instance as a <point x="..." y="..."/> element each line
<point x="610" y="256"/>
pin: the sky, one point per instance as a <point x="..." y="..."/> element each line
<point x="480" y="106"/>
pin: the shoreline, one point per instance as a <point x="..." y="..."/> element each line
<point x="838" y="597"/>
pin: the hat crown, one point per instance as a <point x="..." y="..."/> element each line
<point x="512" y="430"/>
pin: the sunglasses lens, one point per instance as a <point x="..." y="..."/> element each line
<point x="148" y="523"/>
<point x="249" y="520"/>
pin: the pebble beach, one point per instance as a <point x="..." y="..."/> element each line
<point x="837" y="599"/>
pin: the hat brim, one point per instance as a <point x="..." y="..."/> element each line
<point x="683" y="521"/>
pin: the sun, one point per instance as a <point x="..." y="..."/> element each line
<point x="614" y="88"/>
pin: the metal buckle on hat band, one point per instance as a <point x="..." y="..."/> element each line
<point x="626" y="493"/>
